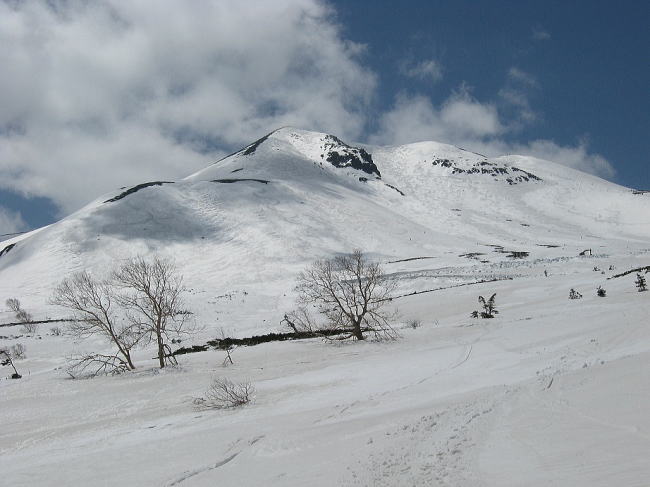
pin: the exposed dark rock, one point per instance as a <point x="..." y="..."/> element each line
<point x="264" y="181"/>
<point x="7" y="249"/>
<point x="515" y="254"/>
<point x="135" y="189"/>
<point x="393" y="187"/>
<point x="342" y="155"/>
<point x="515" y="175"/>
<point x="409" y="259"/>
<point x="471" y="255"/>
<point x="250" y="149"/>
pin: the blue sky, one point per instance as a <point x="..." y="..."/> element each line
<point x="590" y="59"/>
<point x="105" y="94"/>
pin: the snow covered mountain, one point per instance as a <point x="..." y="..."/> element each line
<point x="263" y="213"/>
<point x="552" y="391"/>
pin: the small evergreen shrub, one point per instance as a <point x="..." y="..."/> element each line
<point x="573" y="294"/>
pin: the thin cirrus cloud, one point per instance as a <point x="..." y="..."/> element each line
<point x="427" y="69"/>
<point x="108" y="93"/>
<point x="540" y="34"/>
<point x="514" y="98"/>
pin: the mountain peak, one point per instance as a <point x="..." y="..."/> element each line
<point x="281" y="154"/>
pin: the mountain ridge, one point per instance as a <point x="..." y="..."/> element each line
<point x="255" y="218"/>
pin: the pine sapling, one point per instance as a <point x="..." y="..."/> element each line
<point x="489" y="307"/>
<point x="641" y="283"/>
<point x="600" y="292"/>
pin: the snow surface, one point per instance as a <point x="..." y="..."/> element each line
<point x="550" y="392"/>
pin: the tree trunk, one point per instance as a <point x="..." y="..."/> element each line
<point x="356" y="329"/>
<point x="128" y="360"/>
<point x="161" y="351"/>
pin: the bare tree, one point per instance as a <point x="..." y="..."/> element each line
<point x="92" y="303"/>
<point x="21" y="315"/>
<point x="18" y="351"/>
<point x="151" y="294"/>
<point x="226" y="347"/>
<point x="7" y="359"/>
<point x="350" y="292"/>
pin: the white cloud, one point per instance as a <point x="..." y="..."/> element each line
<point x="577" y="157"/>
<point x="10" y="222"/>
<point x="414" y="118"/>
<point x="107" y="93"/>
<point x="468" y="123"/>
<point x="428" y="69"/>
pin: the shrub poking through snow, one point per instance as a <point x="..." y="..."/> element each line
<point x="640" y="283"/>
<point x="573" y="294"/>
<point x="414" y="324"/>
<point x="600" y="292"/>
<point x="225" y="394"/>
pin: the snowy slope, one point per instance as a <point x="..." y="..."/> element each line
<point x="265" y="212"/>
<point x="551" y="392"/>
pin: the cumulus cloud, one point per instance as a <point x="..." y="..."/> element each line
<point x="107" y="93"/>
<point x="577" y="156"/>
<point x="466" y="122"/>
<point x="10" y="222"/>
<point x="428" y="69"/>
<point x="414" y="118"/>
